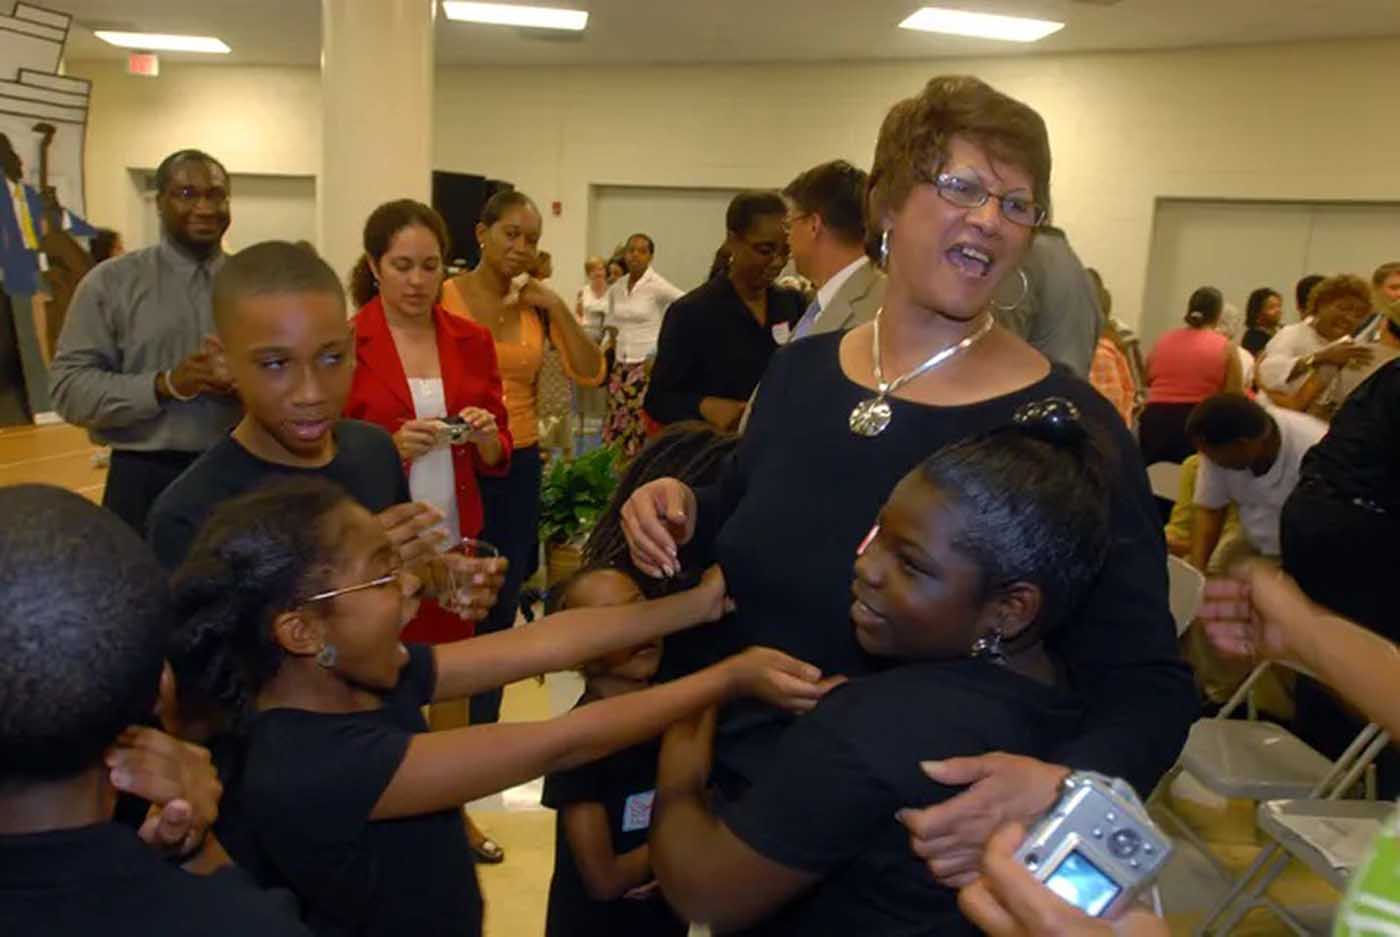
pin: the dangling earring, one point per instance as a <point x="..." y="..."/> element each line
<point x="1025" y="291"/>
<point x="327" y="656"/>
<point x="988" y="647"/>
<point x="885" y="249"/>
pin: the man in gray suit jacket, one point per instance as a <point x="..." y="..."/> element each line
<point x="826" y="218"/>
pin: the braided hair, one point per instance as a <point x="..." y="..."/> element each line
<point x="692" y="452"/>
<point x="255" y="558"/>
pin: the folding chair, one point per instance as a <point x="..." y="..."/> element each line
<point x="1185" y="588"/>
<point x="1165" y="479"/>
<point x="1292" y="837"/>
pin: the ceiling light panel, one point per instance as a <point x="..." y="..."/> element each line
<point x="510" y="14"/>
<point x="163" y="42"/>
<point x="980" y="25"/>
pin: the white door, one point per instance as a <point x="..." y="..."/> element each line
<point x="686" y="224"/>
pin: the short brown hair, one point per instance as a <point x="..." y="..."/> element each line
<point x="1332" y="289"/>
<point x="1385" y="272"/>
<point x="914" y="140"/>
<point x="835" y="192"/>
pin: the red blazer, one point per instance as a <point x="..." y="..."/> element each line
<point x="470" y="378"/>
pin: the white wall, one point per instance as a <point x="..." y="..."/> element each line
<point x="1286" y="122"/>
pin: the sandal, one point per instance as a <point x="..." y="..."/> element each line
<point x="488" y="851"/>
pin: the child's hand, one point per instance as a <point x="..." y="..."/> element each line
<point x="779" y="680"/>
<point x="412" y="528"/>
<point x="715" y="594"/>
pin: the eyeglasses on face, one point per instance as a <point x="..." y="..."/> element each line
<point x="388" y="579"/>
<point x="215" y="195"/>
<point x="967" y="191"/>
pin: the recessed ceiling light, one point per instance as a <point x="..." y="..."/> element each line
<point x="980" y="25"/>
<point x="161" y="42"/>
<point x="509" y="14"/>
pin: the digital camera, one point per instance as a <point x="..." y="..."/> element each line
<point x="453" y="431"/>
<point x="1096" y="848"/>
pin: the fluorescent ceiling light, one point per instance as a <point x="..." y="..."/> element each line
<point x="161" y="42"/>
<point x="508" y="14"/>
<point x="981" y="25"/>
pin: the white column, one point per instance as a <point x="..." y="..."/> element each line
<point x="376" y="112"/>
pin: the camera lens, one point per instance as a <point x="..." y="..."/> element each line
<point x="1124" y="843"/>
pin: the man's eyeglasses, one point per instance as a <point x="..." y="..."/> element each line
<point x="388" y="579"/>
<point x="969" y="192"/>
<point x="215" y="195"/>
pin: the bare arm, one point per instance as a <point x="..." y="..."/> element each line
<point x="569" y="638"/>
<point x="706" y="872"/>
<point x="1234" y="372"/>
<point x="582" y="359"/>
<point x="445" y="769"/>
<point x="606" y="875"/>
<point x="1206" y="524"/>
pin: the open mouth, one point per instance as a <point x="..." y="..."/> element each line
<point x="309" y="430"/>
<point x="970" y="261"/>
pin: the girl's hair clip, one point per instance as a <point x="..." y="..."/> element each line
<point x="1054" y="419"/>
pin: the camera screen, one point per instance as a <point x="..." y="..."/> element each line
<point x="1083" y="884"/>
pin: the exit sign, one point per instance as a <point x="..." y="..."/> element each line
<point x="146" y="64"/>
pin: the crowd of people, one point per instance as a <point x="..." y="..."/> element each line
<point x="257" y="687"/>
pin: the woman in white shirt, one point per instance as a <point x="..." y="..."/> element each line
<point x="591" y="307"/>
<point x="636" y="304"/>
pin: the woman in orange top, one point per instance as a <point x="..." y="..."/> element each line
<point x="518" y="314"/>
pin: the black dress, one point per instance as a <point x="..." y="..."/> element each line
<point x="800" y="493"/>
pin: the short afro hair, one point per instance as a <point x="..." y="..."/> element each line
<point x="1225" y="419"/>
<point x="166" y="169"/>
<point x="85" y="615"/>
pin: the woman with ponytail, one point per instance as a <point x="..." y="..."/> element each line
<point x="520" y="313"/>
<point x="417" y="369"/>
<point x="292" y="604"/>
<point x="1187" y="365"/>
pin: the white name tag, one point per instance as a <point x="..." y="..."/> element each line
<point x="636" y="812"/>
<point x="781" y="333"/>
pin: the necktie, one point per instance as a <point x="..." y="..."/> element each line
<point x="809" y="319"/>
<point x="26" y="221"/>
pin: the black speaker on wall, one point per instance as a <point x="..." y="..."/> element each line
<point x="459" y="198"/>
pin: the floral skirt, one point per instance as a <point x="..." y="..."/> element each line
<point x="627" y="388"/>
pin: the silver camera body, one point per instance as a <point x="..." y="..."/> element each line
<point x="453" y="434"/>
<point x="1096" y="848"/>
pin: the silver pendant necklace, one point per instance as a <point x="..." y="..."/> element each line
<point x="871" y="417"/>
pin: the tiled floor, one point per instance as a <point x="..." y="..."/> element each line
<point x="516" y="891"/>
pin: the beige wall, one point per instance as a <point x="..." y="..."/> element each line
<point x="1269" y="122"/>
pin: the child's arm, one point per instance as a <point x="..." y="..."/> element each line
<point x="569" y="638"/>
<point x="606" y="875"/>
<point x="445" y="769"/>
<point x="708" y="874"/>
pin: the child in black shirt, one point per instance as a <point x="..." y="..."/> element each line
<point x="602" y="882"/>
<point x="292" y="601"/>
<point x="978" y="553"/>
<point x="84" y="619"/>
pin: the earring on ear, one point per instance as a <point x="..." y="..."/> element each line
<point x="327" y="656"/>
<point x="989" y="647"/>
<point x="885" y="249"/>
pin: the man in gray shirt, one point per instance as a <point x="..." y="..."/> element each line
<point x="133" y="364"/>
<point x="1053" y="305"/>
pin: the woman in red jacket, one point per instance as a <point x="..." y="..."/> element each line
<point x="415" y="366"/>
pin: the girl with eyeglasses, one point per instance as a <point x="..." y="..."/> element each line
<point x="291" y="606"/>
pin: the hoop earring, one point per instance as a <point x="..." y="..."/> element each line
<point x="885" y="249"/>
<point x="327" y="656"/>
<point x="1025" y="291"/>
<point x="988" y="647"/>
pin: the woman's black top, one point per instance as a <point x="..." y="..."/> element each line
<point x="1359" y="458"/>
<point x="712" y="346"/>
<point x="800" y="493"/>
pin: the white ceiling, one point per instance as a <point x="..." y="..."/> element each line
<point x="287" y="32"/>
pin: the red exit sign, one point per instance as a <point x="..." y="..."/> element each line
<point x="145" y="64"/>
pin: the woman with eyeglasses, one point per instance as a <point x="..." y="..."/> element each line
<point x="717" y="339"/>
<point x="959" y="184"/>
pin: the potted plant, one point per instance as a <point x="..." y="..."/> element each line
<point x="573" y="494"/>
